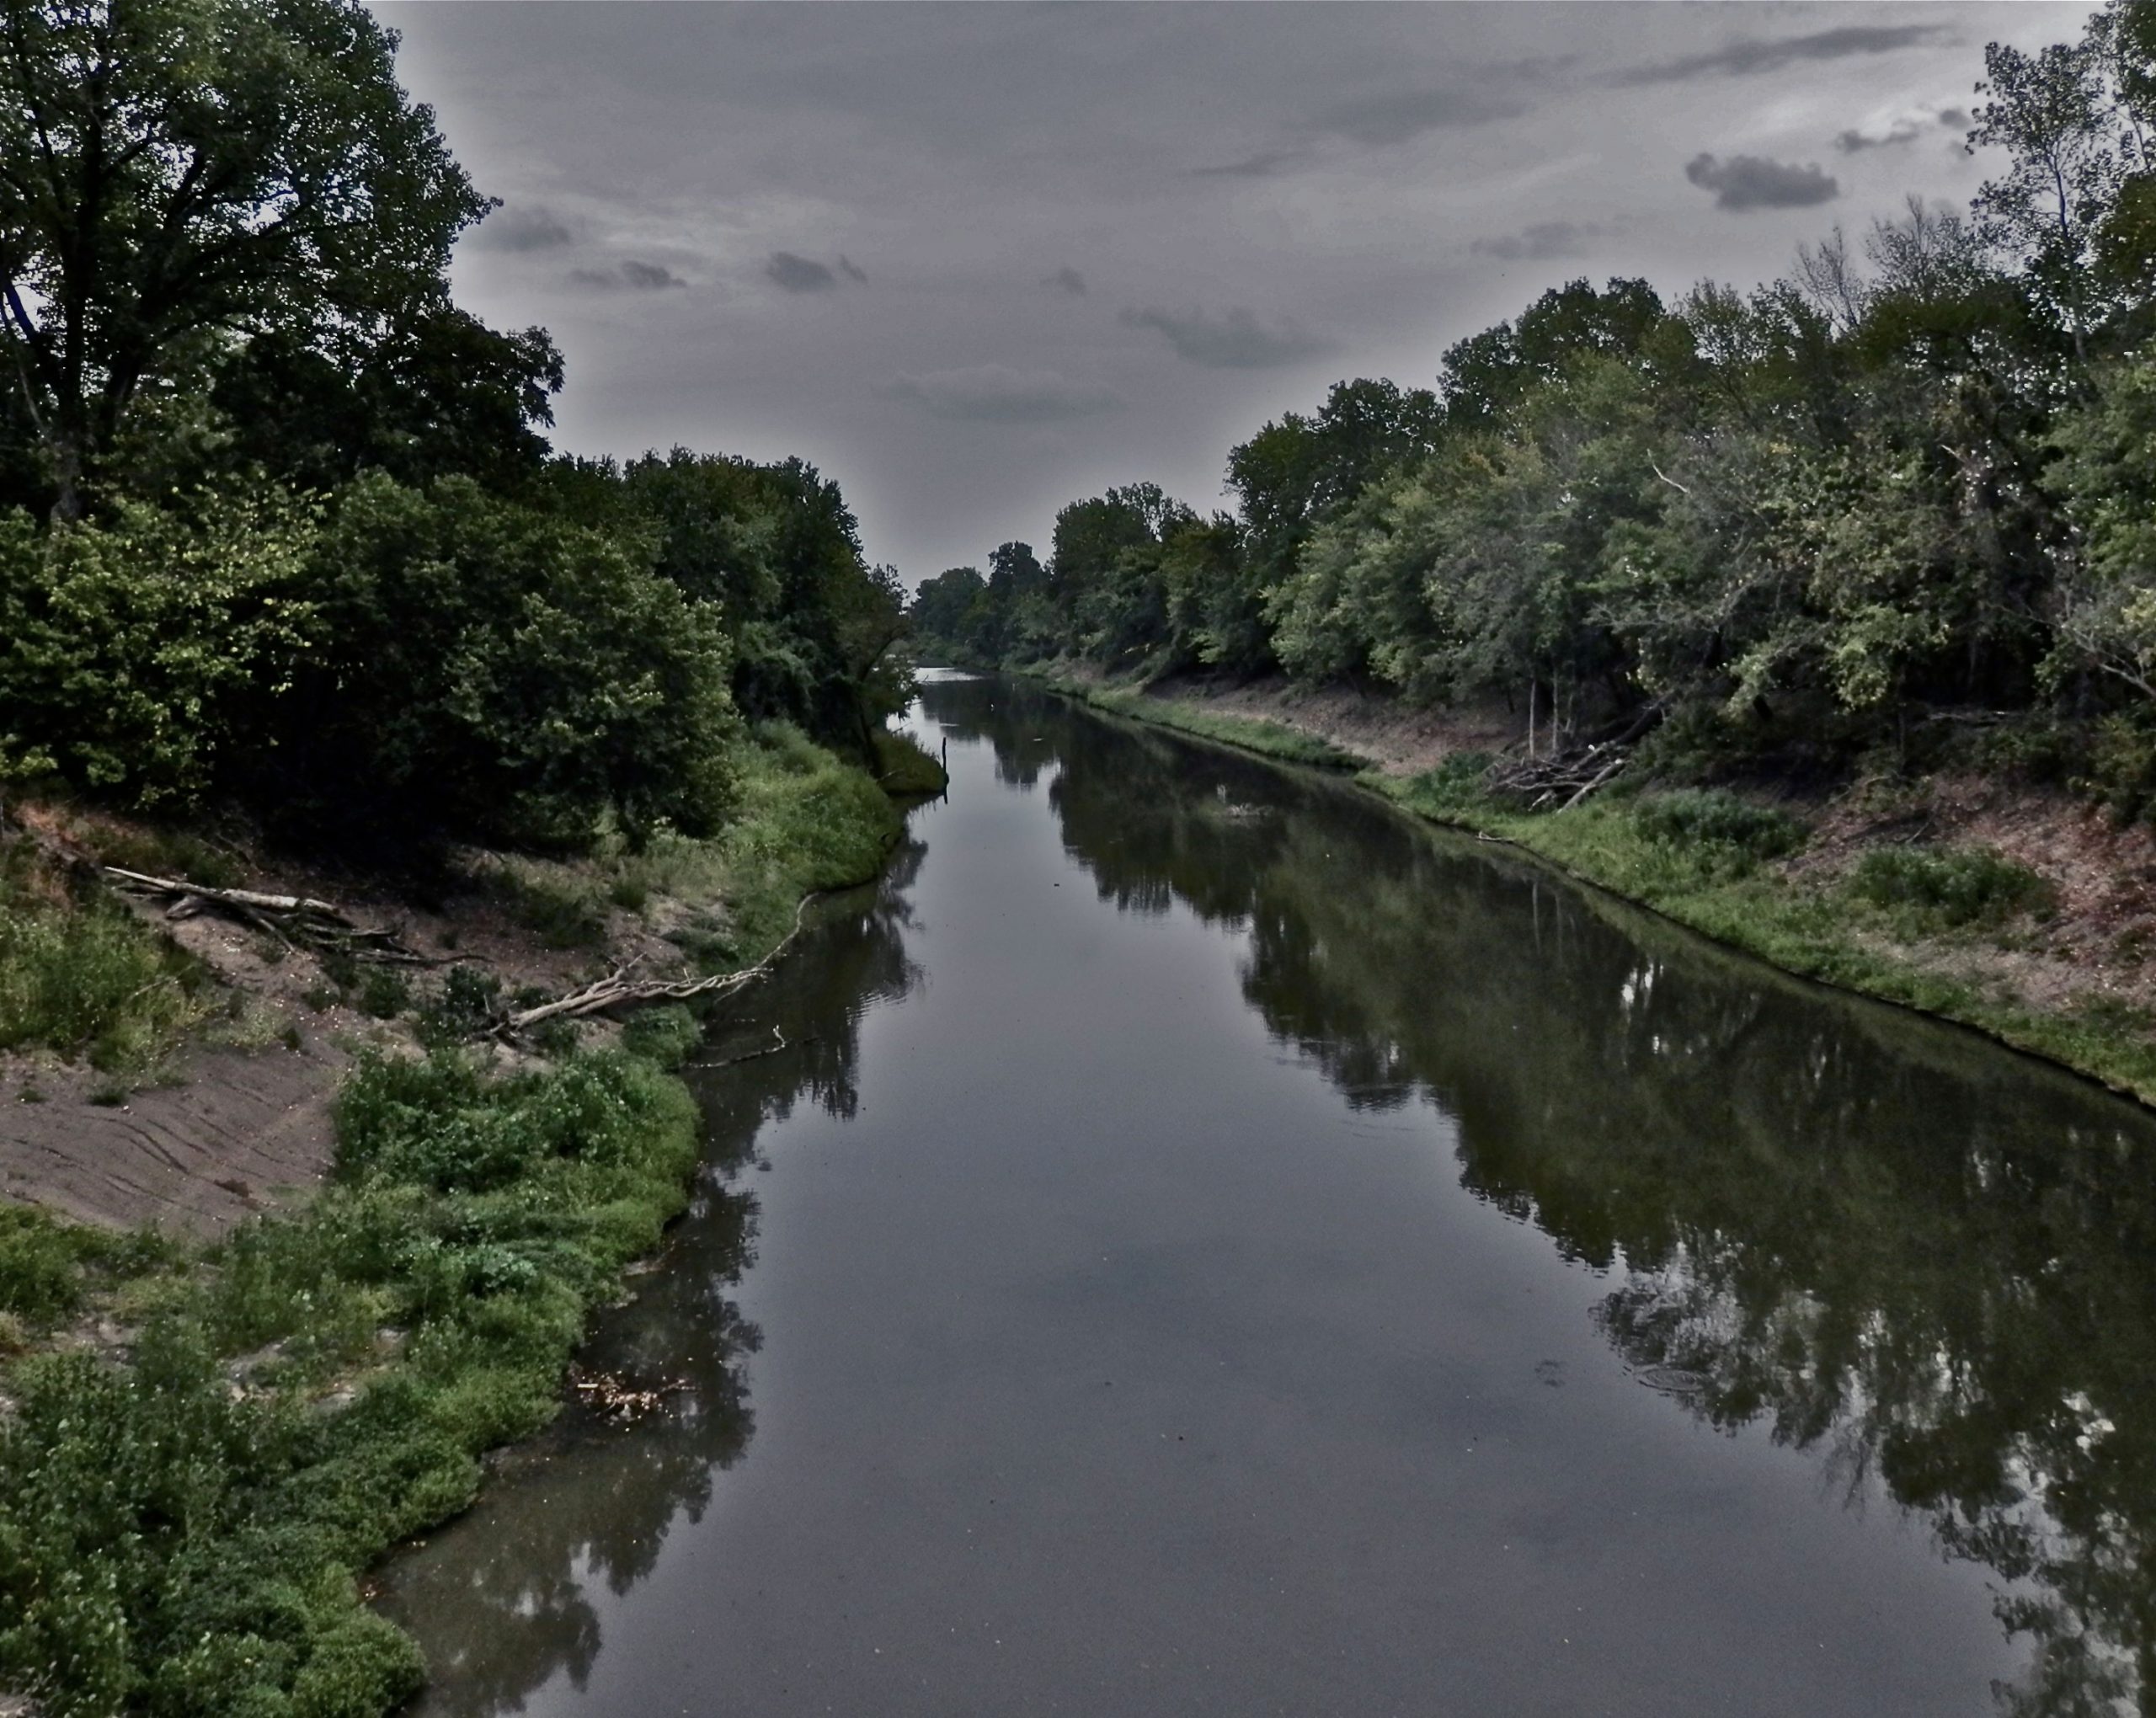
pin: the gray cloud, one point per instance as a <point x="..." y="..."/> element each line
<point x="1394" y="119"/>
<point x="1263" y="165"/>
<point x="849" y="271"/>
<point x="1855" y="142"/>
<point x="522" y="228"/>
<point x="1753" y="182"/>
<point x="996" y="393"/>
<point x="1906" y="129"/>
<point x="795" y="274"/>
<point x="1748" y="56"/>
<point x="1540" y="241"/>
<point x="631" y="275"/>
<point x="649" y="277"/>
<point x="974" y="151"/>
<point x="1069" y="279"/>
<point x="1235" y="339"/>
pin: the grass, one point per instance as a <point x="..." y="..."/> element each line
<point x="181" y="1531"/>
<point x="1253" y="734"/>
<point x="83" y="978"/>
<point x="904" y="771"/>
<point x="1841" y="935"/>
<point x="806" y="821"/>
<point x="1271" y="739"/>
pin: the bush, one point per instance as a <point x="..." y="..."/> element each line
<point x="135" y="652"/>
<point x="1945" y="889"/>
<point x="1458" y="783"/>
<point x="1710" y="817"/>
<point x="502" y="672"/>
<point x="42" y="1264"/>
<point x="385" y="993"/>
<point x="665" y="1034"/>
<point x="463" y="1008"/>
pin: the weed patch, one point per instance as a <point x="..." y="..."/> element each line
<point x="1931" y="889"/>
<point x="174" y="1543"/>
<point x="84" y="979"/>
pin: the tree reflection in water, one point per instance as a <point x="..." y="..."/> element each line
<point x="594" y="1501"/>
<point x="1933" y="1261"/>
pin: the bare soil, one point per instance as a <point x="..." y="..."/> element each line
<point x="237" y="1120"/>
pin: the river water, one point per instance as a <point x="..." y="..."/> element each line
<point x="1207" y="1245"/>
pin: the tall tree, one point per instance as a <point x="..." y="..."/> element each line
<point x="178" y="175"/>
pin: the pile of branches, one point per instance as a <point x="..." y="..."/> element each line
<point x="294" y="920"/>
<point x="1560" y="781"/>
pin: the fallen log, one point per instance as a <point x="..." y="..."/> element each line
<point x="293" y="919"/>
<point x="621" y="989"/>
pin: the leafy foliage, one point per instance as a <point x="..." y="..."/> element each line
<point x="133" y="650"/>
<point x="170" y="1545"/>
<point x="1789" y="524"/>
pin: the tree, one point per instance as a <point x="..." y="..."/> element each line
<point x="2054" y="112"/>
<point x="178" y="175"/>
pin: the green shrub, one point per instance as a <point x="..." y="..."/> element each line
<point x="1458" y="783"/>
<point x="502" y="670"/>
<point x="464" y="1007"/>
<point x="904" y="769"/>
<point x="42" y="1264"/>
<point x="179" y="1536"/>
<point x="565" y="914"/>
<point x="385" y="992"/>
<point x="1945" y="889"/>
<point x="133" y="650"/>
<point x="1712" y="817"/>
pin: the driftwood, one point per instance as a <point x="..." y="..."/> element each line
<point x="1560" y="783"/>
<point x="622" y="988"/>
<point x="291" y="920"/>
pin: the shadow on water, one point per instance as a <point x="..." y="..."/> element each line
<point x="1881" y="1237"/>
<point x="1929" y="1261"/>
<point x="512" y="1591"/>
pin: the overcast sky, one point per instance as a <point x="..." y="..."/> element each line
<point x="977" y="260"/>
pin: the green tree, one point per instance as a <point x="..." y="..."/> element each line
<point x="177" y="175"/>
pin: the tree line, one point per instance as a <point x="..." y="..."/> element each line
<point x="1910" y="489"/>
<point x="279" y="520"/>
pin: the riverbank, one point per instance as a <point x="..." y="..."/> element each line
<point x="2021" y="913"/>
<point x="208" y="1435"/>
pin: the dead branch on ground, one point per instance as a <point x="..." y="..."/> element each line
<point x="622" y="988"/>
<point x="293" y="919"/>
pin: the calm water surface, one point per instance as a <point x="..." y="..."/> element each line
<point x="1207" y="1245"/>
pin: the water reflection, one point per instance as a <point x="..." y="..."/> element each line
<point x="507" y="1602"/>
<point x="1883" y="1239"/>
<point x="1931" y="1264"/>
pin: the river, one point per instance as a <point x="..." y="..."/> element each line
<point x="1192" y="1242"/>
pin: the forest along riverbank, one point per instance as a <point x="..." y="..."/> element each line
<point x="348" y="1185"/>
<point x="1209" y="1243"/>
<point x="2024" y="911"/>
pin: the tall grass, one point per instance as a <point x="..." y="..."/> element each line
<point x="83" y="978"/>
<point x="805" y="821"/>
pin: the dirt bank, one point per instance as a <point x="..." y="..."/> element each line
<point x="236" y="1119"/>
<point x="2073" y="980"/>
